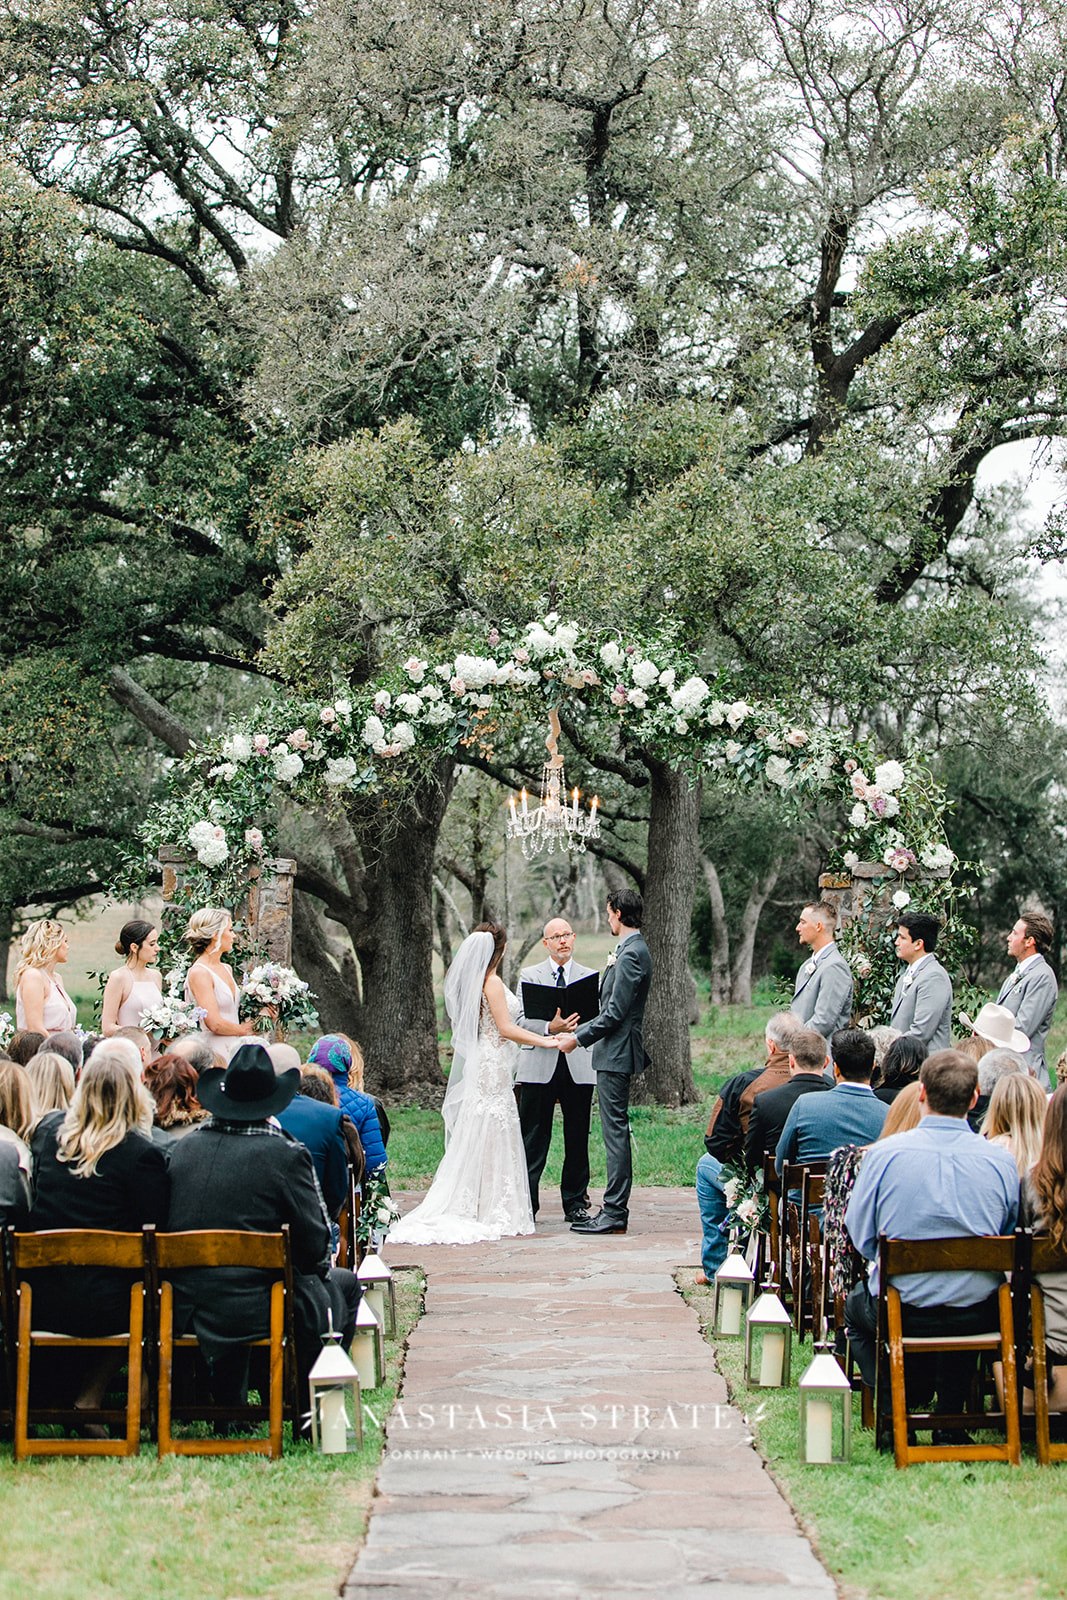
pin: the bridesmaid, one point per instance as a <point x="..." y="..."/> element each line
<point x="210" y="983"/>
<point x="132" y="988"/>
<point x="42" y="1005"/>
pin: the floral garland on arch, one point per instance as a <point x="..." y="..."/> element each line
<point x="222" y="794"/>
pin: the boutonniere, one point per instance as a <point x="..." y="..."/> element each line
<point x="610" y="962"/>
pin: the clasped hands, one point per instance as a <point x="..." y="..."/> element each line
<point x="562" y="1028"/>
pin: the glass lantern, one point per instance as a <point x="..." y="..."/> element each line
<point x="379" y="1290"/>
<point x="336" y="1411"/>
<point x="825" y="1410"/>
<point x="768" y="1342"/>
<point x="368" y="1347"/>
<point x="734" y="1284"/>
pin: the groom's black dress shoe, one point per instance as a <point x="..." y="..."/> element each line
<point x="578" y="1214"/>
<point x="599" y="1224"/>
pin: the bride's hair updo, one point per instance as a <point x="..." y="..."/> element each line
<point x="500" y="939"/>
<point x="204" y="927"/>
<point x="130" y="934"/>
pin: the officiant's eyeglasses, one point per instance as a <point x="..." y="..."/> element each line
<point x="554" y="938"/>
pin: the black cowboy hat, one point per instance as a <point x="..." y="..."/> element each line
<point x="248" y="1090"/>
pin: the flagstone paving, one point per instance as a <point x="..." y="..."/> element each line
<point x="562" y="1432"/>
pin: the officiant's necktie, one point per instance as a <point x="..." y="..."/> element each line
<point x="561" y="981"/>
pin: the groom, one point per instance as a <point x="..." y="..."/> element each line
<point x="618" y="1053"/>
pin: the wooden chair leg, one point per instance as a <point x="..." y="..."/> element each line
<point x="1012" y="1429"/>
<point x="165" y="1443"/>
<point x="1041" y="1419"/>
<point x="134" y="1369"/>
<point x="898" y="1396"/>
<point x="22" y="1374"/>
<point x="277" y="1313"/>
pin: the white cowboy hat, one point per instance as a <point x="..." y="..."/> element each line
<point x="997" y="1024"/>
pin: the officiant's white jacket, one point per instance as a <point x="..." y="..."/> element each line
<point x="535" y="1065"/>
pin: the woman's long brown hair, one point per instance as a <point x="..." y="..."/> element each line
<point x="1050" y="1174"/>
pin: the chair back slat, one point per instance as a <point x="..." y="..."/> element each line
<point x="972" y="1253"/>
<point x="77" y="1247"/>
<point x="220" y="1248"/>
<point x="1047" y="1257"/>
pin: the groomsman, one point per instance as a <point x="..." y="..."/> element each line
<point x="922" y="999"/>
<point x="1030" y="994"/>
<point x="822" y="994"/>
<point x="545" y="1080"/>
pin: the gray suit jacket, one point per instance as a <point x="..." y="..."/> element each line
<point x="1031" y="997"/>
<point x="537" y="1066"/>
<point x="616" y="1033"/>
<point x="823" y="999"/>
<point x="924" y="1009"/>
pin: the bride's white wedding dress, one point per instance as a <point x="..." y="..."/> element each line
<point x="481" y="1189"/>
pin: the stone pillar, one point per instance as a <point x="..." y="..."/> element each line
<point x="867" y="891"/>
<point x="265" y="913"/>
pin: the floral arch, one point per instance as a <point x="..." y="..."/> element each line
<point x="222" y="795"/>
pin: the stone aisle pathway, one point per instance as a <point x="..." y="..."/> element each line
<point x="562" y="1433"/>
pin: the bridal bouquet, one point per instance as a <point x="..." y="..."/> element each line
<point x="170" y="1016"/>
<point x="273" y="996"/>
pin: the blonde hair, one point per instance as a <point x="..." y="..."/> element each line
<point x="975" y="1048"/>
<point x="204" y="927"/>
<point x="355" y="1071"/>
<point x="904" y="1113"/>
<point x="1016" y="1118"/>
<point x="52" y="1080"/>
<point x="16" y="1099"/>
<point x="40" y="945"/>
<point x="108" y="1103"/>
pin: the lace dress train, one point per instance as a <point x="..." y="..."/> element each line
<point x="481" y="1190"/>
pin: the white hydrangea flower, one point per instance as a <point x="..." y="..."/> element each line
<point x="403" y="734"/>
<point x="567" y="635"/>
<point x="645" y="674"/>
<point x="288" y="768"/>
<point x="778" y="770"/>
<point x="737" y="713"/>
<point x="611" y="655"/>
<point x="539" y="640"/>
<point x="213" y="853"/>
<point x="438" y="712"/>
<point x="409" y="704"/>
<point x="680" y="725"/>
<point x="638" y="698"/>
<point x="937" y="856"/>
<point x="690" y="696"/>
<point x="200" y="833"/>
<point x="373" y="731"/>
<point x="889" y="776"/>
<point x="477" y="672"/>
<point x="717" y="713"/>
<point x="238" y="747"/>
<point x="858" y="816"/>
<point x="339" y="771"/>
<point x="666" y="678"/>
<point x="225" y="770"/>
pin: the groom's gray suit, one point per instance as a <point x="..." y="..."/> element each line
<point x="618" y="1055"/>
<point x="544" y="1079"/>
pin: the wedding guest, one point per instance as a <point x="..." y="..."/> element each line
<point x="319" y="1128"/>
<point x="240" y="1170"/>
<point x="68" y="1045"/>
<point x="42" y="1005"/>
<point x="1031" y="991"/>
<point x="345" y="1065"/>
<point x="318" y="1084"/>
<point x="16" y="1111"/>
<point x="210" y="983"/>
<point x="141" y="1041"/>
<point x="172" y="1081"/>
<point x="809" y="1055"/>
<point x="1045" y="1209"/>
<point x="883" y="1037"/>
<point x="1016" y="1118"/>
<point x="52" y="1080"/>
<point x="23" y="1045"/>
<point x="849" y="1114"/>
<point x="195" y="1049"/>
<point x="14" y="1189"/>
<point x="922" y="999"/>
<point x="822" y="994"/>
<point x="900" y="1067"/>
<point x="993" y="1064"/>
<point x="96" y="1167"/>
<point x="135" y="986"/>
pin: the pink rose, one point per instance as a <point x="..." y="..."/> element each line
<point x="458" y="686"/>
<point x="260" y="743"/>
<point x="298" y="738"/>
<point x="494" y="637"/>
<point x="618" y="695"/>
<point x="850" y="765"/>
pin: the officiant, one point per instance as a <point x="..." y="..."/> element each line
<point x="545" y="1080"/>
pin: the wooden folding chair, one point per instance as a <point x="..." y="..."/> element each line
<point x="62" y="1249"/>
<point x="1044" y="1256"/>
<point x="794" y="1239"/>
<point x="266" y="1252"/>
<point x="809" y="1313"/>
<point x="897" y="1257"/>
<point x="347" y="1219"/>
<point x="769" y="1246"/>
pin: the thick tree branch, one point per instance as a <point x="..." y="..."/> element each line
<point x="157" y="718"/>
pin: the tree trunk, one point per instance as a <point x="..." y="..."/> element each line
<point x="674" y="814"/>
<point x="741" y="971"/>
<point x="7" y="922"/>
<point x="720" y="936"/>
<point x="335" y="985"/>
<point x="398" y="1017"/>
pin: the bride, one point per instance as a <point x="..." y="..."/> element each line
<point x="481" y="1189"/>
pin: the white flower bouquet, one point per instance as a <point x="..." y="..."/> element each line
<point x="273" y="995"/>
<point x="170" y="1017"/>
<point x="7" y="1028"/>
<point x="378" y="1211"/>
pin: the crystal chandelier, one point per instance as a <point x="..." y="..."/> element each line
<point x="556" y="824"/>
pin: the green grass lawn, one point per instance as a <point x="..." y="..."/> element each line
<point x="196" y="1529"/>
<point x="931" y="1532"/>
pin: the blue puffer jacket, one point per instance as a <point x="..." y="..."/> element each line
<point x="360" y="1107"/>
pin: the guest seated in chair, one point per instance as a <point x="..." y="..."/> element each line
<point x="938" y="1181"/>
<point x="1045" y="1210"/>
<point x="241" y="1170"/>
<point x="343" y="1059"/>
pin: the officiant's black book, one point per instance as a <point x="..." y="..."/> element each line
<point x="541" y="1001"/>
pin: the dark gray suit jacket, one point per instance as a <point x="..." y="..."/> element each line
<point x="1031" y="997"/>
<point x="616" y="1033"/>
